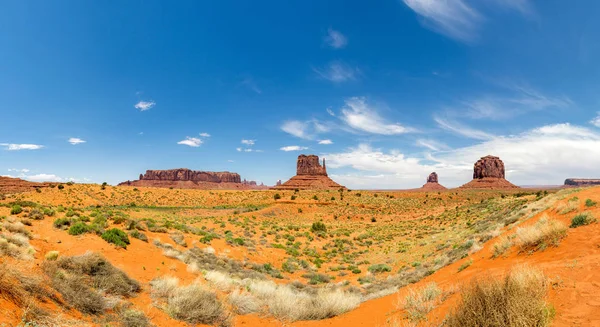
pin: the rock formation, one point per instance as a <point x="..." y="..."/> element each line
<point x="278" y="182"/>
<point x="309" y="175"/>
<point x="187" y="178"/>
<point x="581" y="182"/>
<point x="488" y="173"/>
<point x="9" y="185"/>
<point x="432" y="183"/>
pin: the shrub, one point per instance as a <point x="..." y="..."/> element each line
<point x="78" y="229"/>
<point x="133" y="318"/>
<point x="420" y="302"/>
<point x="379" y="268"/>
<point x="16" y="209"/>
<point x="60" y="186"/>
<point x="544" y="233"/>
<point x="243" y="302"/>
<point x="590" y="203"/>
<point x="116" y="237"/>
<point x="139" y="235"/>
<point x="516" y="300"/>
<point x="501" y="246"/>
<point x="52" y="255"/>
<point x="318" y="226"/>
<point x="582" y="219"/>
<point x="36" y="214"/>
<point x="293" y="197"/>
<point x="62" y="222"/>
<point x="179" y="239"/>
<point x="276" y="196"/>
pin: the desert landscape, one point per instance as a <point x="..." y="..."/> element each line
<point x="139" y="255"/>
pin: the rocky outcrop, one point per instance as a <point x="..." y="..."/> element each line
<point x="9" y="185"/>
<point x="278" y="182"/>
<point x="581" y="182"/>
<point x="309" y="165"/>
<point x="488" y="173"/>
<point x="432" y="183"/>
<point x="184" y="174"/>
<point x="309" y="175"/>
<point x="191" y="179"/>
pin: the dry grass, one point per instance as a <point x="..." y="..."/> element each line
<point x="178" y="238"/>
<point x="546" y="232"/>
<point x="564" y="208"/>
<point x="243" y="302"/>
<point x="501" y="246"/>
<point x="516" y="300"/>
<point x="133" y="318"/>
<point x="418" y="303"/>
<point x="192" y="303"/>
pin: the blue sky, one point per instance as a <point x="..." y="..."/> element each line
<point x="387" y="91"/>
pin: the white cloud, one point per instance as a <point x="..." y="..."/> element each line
<point x="145" y="105"/>
<point x="17" y="147"/>
<point x="24" y="170"/>
<point x="293" y="148"/>
<point x="596" y="120"/>
<point x="463" y="130"/>
<point x="330" y="112"/>
<point x="335" y="39"/>
<point x="360" y="116"/>
<point x="432" y="144"/>
<point x="43" y="178"/>
<point x="191" y="141"/>
<point x="337" y="72"/>
<point x="75" y="141"/>
<point x="458" y="19"/>
<point x="248" y="142"/>
<point x="238" y="149"/>
<point x="542" y="156"/>
<point x="204" y="135"/>
<point x="326" y="142"/>
<point x="453" y="18"/>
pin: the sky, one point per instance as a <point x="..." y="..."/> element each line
<point x="387" y="91"/>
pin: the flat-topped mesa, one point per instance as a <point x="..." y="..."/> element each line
<point x="488" y="173"/>
<point x="309" y="175"/>
<point x="310" y="165"/>
<point x="184" y="174"/>
<point x="581" y="182"/>
<point x="432" y="183"/>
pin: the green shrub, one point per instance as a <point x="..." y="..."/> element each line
<point x="276" y="196"/>
<point x="61" y="222"/>
<point x="379" y="268"/>
<point x="139" y="235"/>
<point x="16" y="209"/>
<point x="590" y="203"/>
<point x="78" y="229"/>
<point x="116" y="237"/>
<point x="582" y="219"/>
<point x="60" y="186"/>
<point x="36" y="214"/>
<point x="318" y="227"/>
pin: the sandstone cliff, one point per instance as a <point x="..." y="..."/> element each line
<point x="432" y="183"/>
<point x="17" y="185"/>
<point x="581" y="182"/>
<point x="192" y="179"/>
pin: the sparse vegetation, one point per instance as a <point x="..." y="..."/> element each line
<point x="116" y="237"/>
<point x="546" y="232"/>
<point x="582" y="219"/>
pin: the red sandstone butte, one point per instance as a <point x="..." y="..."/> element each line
<point x="432" y="183"/>
<point x="16" y="185"/>
<point x="488" y="173"/>
<point x="310" y="175"/>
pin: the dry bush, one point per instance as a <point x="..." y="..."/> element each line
<point x="567" y="207"/>
<point x="179" y="239"/>
<point x="16" y="227"/>
<point x="243" y="302"/>
<point x="544" y="233"/>
<point x="418" y="303"/>
<point x="10" y="286"/>
<point x="192" y="303"/>
<point x="220" y="280"/>
<point x="16" y="245"/>
<point x="516" y="300"/>
<point x="501" y="246"/>
<point x="83" y="279"/>
<point x="133" y="318"/>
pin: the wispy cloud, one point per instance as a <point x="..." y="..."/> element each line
<point x="335" y="39"/>
<point x="361" y="116"/>
<point x="330" y="112"/>
<point x="461" y="129"/>
<point x="249" y="83"/>
<point x="432" y="144"/>
<point x="191" y="141"/>
<point x="326" y="142"/>
<point x="204" y="135"/>
<point x="145" y="105"/>
<point x="596" y="120"/>
<point x="17" y="147"/>
<point x="75" y="141"/>
<point x="454" y="18"/>
<point x="24" y="170"/>
<point x="307" y="130"/>
<point x="293" y="148"/>
<point x="248" y="142"/>
<point x="337" y="72"/>
<point x="460" y="19"/>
